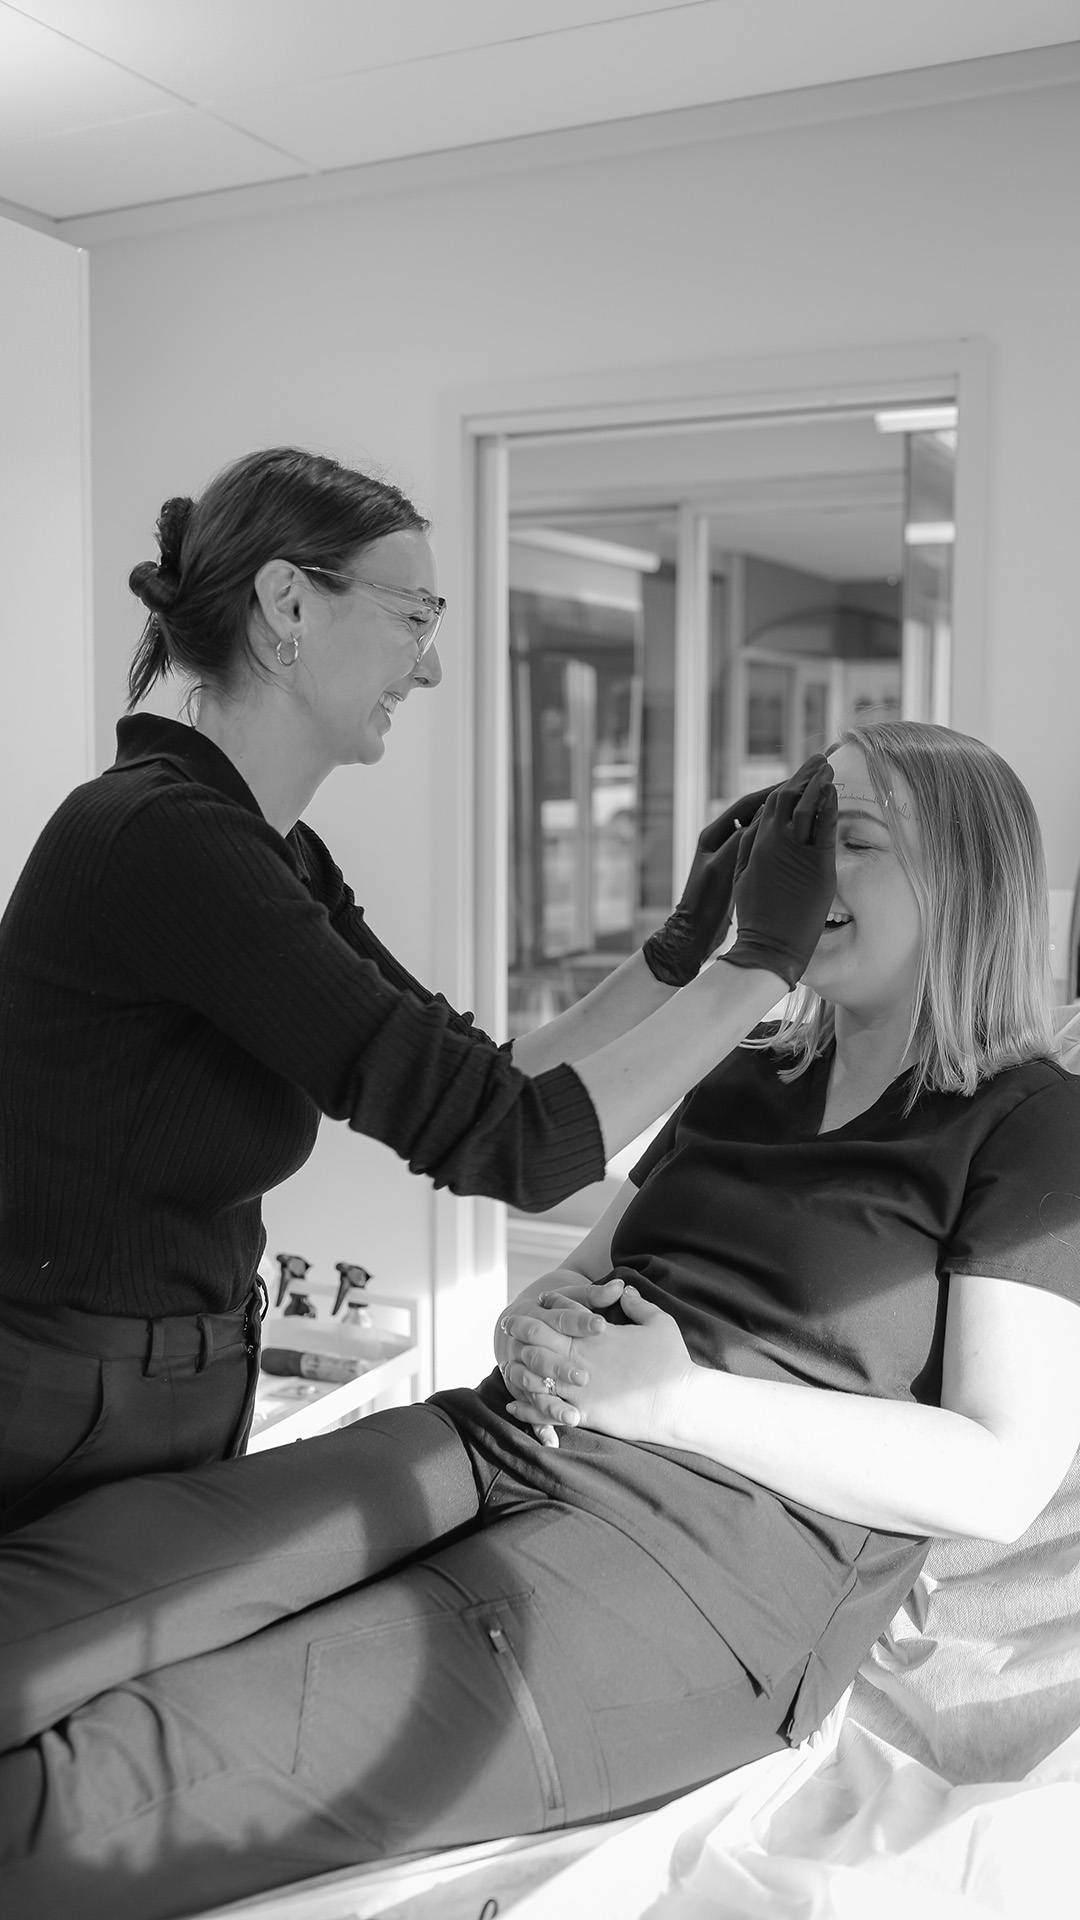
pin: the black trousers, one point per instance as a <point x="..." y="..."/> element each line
<point x="490" y="1662"/>
<point x="86" y="1398"/>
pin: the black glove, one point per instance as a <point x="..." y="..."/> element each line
<point x="677" y="951"/>
<point x="785" y="875"/>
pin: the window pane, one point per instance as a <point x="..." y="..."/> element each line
<point x="592" y="691"/>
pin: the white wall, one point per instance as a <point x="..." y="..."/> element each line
<point x="345" y="326"/>
<point x="44" y="712"/>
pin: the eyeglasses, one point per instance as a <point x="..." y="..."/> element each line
<point x="428" y="608"/>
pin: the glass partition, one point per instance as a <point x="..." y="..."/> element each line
<point x="817" y="592"/>
<point x="591" y="724"/>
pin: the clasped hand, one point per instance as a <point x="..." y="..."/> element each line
<point x="566" y="1366"/>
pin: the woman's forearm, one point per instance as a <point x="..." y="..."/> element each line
<point x="637" y="1077"/>
<point x="892" y="1464"/>
<point x="622" y="1001"/>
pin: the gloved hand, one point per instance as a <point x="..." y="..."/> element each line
<point x="785" y="875"/>
<point x="677" y="951"/>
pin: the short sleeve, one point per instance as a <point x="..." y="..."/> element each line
<point x="659" y="1147"/>
<point x="1020" y="1218"/>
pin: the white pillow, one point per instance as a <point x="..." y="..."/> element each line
<point x="978" y="1675"/>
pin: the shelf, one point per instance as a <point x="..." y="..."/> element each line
<point x="284" y="1414"/>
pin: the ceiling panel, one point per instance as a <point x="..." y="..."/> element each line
<point x="857" y="543"/>
<point x="204" y="48"/>
<point x="740" y="454"/>
<point x="49" y="85"/>
<point x="340" y="83"/>
<point x="611" y="70"/>
<point x="824" y="494"/>
<point x="852" y="545"/>
<point x="130" y="162"/>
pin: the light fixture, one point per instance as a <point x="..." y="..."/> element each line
<point x="928" y="418"/>
<point x="930" y="533"/>
<point x="581" y="547"/>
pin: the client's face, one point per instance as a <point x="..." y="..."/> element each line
<point x="867" y="960"/>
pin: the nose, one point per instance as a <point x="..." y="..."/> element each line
<point x="428" y="671"/>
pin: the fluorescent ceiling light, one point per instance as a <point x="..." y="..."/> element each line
<point x="925" y="419"/>
<point x="930" y="533"/>
<point x="553" y="540"/>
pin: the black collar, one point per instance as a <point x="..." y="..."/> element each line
<point x="147" y="736"/>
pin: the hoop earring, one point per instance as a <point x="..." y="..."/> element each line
<point x="279" y="655"/>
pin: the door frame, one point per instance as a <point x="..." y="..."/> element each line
<point x="478" y="428"/>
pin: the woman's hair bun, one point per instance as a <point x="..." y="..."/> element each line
<point x="157" y="590"/>
<point x="172" y="523"/>
<point x="157" y="582"/>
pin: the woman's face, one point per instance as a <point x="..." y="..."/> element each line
<point x="868" y="963"/>
<point x="357" y="658"/>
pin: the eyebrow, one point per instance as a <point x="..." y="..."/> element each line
<point x="860" y="813"/>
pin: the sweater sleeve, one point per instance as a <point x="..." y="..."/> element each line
<point x="198" y="903"/>
<point x="348" y="919"/>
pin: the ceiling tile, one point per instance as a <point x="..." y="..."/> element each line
<point x="205" y="48"/>
<point x="338" y="83"/>
<point x="687" y="56"/>
<point x="134" y="162"/>
<point x="48" y="85"/>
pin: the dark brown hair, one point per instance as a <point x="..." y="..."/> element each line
<point x="282" y="503"/>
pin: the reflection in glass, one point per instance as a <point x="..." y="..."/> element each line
<point x="823" y="598"/>
<point x="929" y="537"/>
<point x="592" y="692"/>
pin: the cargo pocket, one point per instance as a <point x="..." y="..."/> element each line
<point x="422" y="1730"/>
<point x="491" y="1623"/>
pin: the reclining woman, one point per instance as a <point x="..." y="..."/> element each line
<point x="833" y="1313"/>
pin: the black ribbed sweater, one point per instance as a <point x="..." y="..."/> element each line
<point x="182" y="993"/>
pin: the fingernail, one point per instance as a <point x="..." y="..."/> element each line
<point x="596" y="1324"/>
<point x="545" y="1300"/>
<point x="578" y="1378"/>
<point x="571" y="1417"/>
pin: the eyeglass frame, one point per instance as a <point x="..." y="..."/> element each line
<point x="433" y="602"/>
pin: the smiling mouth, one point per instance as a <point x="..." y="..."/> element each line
<point x="837" y="920"/>
<point x="388" y="701"/>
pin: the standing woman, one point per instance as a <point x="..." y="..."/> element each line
<point x="187" y="984"/>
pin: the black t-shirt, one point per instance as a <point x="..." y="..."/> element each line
<point x="183" y="991"/>
<point x="816" y="1258"/>
<point x="790" y="1254"/>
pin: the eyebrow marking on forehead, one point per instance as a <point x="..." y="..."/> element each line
<point x="844" y="792"/>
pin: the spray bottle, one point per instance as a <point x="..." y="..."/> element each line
<point x="352" y="1284"/>
<point x="292" y="1278"/>
<point x="358" y="1331"/>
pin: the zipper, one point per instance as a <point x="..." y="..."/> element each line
<point x="529" y="1715"/>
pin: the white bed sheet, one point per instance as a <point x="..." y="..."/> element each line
<point x="848" y="1829"/>
<point x="862" y="1833"/>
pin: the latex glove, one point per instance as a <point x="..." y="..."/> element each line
<point x="785" y="875"/>
<point x="677" y="951"/>
<point x="637" y="1376"/>
<point x="534" y="1341"/>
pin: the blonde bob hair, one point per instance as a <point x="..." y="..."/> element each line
<point x="983" y="990"/>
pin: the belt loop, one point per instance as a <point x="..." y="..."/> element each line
<point x="156" y="1350"/>
<point x="206" y="1348"/>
